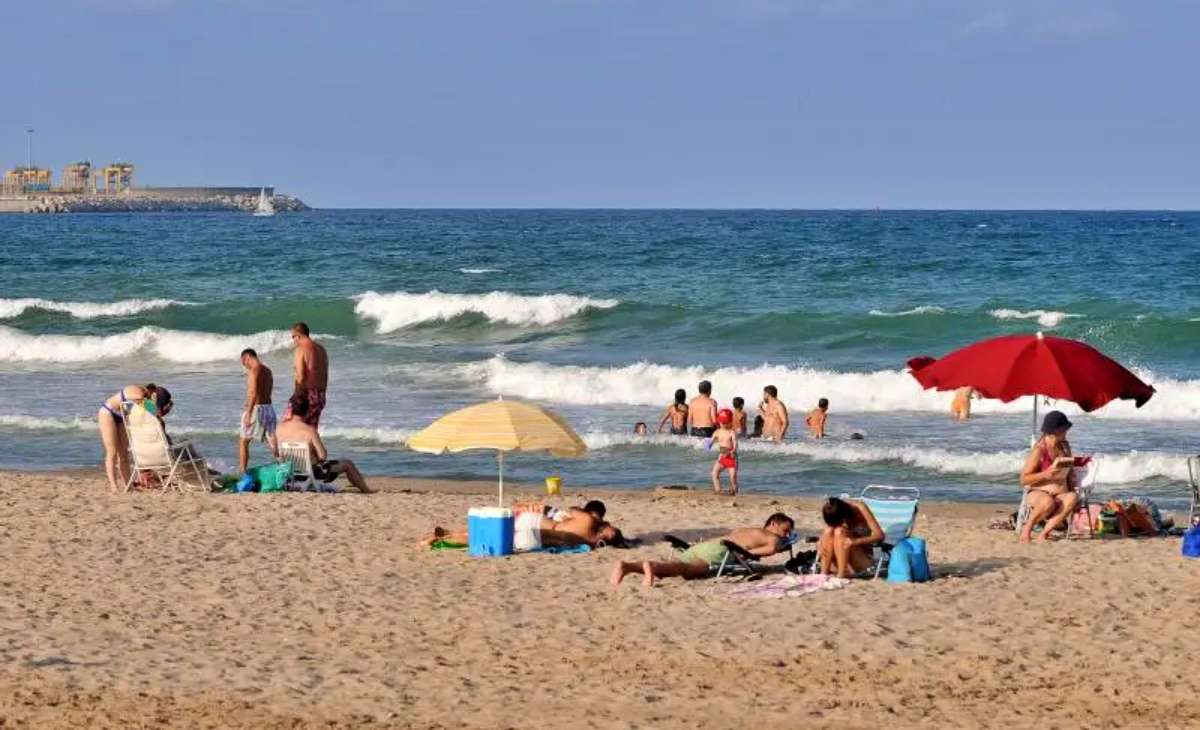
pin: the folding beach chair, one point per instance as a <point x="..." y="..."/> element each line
<point x="1194" y="480"/>
<point x="177" y="467"/>
<point x="737" y="560"/>
<point x="300" y="457"/>
<point x="895" y="509"/>
<point x="1085" y="484"/>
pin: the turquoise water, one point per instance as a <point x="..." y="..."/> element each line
<point x="601" y="315"/>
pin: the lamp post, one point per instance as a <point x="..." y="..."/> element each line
<point x="29" y="148"/>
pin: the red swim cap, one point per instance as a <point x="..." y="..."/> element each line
<point x="724" y="416"/>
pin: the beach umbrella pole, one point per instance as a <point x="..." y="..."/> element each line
<point x="500" y="462"/>
<point x="1033" y="433"/>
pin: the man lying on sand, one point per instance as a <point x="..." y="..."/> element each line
<point x="701" y="559"/>
<point x="536" y="527"/>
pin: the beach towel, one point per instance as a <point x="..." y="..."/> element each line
<point x="790" y="586"/>
<point x="563" y="549"/>
<point x="447" y="545"/>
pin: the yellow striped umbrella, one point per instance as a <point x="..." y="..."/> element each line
<point x="502" y="425"/>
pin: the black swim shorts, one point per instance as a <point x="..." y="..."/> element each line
<point x="323" y="471"/>
<point x="703" y="431"/>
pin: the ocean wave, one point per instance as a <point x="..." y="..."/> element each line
<point x="10" y="308"/>
<point x="1046" y="318"/>
<point x="398" y="310"/>
<point x="650" y="384"/>
<point x="480" y="271"/>
<point x="382" y="436"/>
<point x="923" y="309"/>
<point x="1122" y="468"/>
<point x="170" y="345"/>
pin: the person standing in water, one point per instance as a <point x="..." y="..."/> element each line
<point x="774" y="415"/>
<point x="960" y="407"/>
<point x="312" y="373"/>
<point x="676" y="413"/>
<point x="702" y="412"/>
<point x="258" y="415"/>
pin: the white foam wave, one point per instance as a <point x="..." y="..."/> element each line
<point x="650" y="384"/>
<point x="38" y="423"/>
<point x="1124" y="468"/>
<point x="923" y="309"/>
<point x="480" y="271"/>
<point x="170" y="345"/>
<point x="403" y="309"/>
<point x="1046" y="318"/>
<point x="10" y="308"/>
<point x="384" y="436"/>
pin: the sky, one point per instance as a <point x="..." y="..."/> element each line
<point x="620" y="103"/>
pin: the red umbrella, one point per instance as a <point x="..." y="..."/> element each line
<point x="1012" y="366"/>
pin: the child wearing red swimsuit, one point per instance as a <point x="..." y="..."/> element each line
<point x="725" y="438"/>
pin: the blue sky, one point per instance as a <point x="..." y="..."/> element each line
<point x="621" y="103"/>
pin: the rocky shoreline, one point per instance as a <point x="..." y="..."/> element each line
<point x="147" y="204"/>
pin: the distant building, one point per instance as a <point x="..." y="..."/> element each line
<point x="77" y="177"/>
<point x="115" y="177"/>
<point x="21" y="180"/>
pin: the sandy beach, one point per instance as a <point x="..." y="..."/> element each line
<point x="303" y="611"/>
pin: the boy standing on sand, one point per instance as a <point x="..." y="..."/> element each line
<point x="258" y="415"/>
<point x="816" y="419"/>
<point x="726" y="440"/>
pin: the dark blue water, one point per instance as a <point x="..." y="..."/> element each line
<point x="601" y="315"/>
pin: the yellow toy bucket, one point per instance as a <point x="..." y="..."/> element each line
<point x="553" y="485"/>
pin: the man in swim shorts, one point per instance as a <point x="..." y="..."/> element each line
<point x="312" y="372"/>
<point x="702" y="412"/>
<point x="774" y="415"/>
<point x="295" y="428"/>
<point x="702" y="559"/>
<point x="258" y="415"/>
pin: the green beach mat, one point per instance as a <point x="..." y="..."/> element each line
<point x="447" y="545"/>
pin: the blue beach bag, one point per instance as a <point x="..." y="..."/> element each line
<point x="1191" y="542"/>
<point x="909" y="563"/>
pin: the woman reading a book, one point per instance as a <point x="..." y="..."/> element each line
<point x="1048" y="478"/>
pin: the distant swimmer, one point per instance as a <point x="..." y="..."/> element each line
<point x="960" y="407"/>
<point x="639" y="428"/>
<point x="816" y="419"/>
<point x="676" y="414"/>
<point x="774" y="415"/>
<point x="312" y="373"/>
<point x="702" y="412"/>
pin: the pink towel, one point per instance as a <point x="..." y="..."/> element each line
<point x="790" y="586"/>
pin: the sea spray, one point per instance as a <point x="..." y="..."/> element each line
<point x="170" y="345"/>
<point x="398" y="310"/>
<point x="11" y="308"/>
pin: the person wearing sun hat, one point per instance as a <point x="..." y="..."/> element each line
<point x="1048" y="478"/>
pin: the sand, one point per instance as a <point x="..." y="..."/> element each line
<point x="302" y="611"/>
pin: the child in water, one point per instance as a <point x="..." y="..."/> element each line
<point x="816" y="419"/>
<point x="739" y="416"/>
<point x="725" y="438"/>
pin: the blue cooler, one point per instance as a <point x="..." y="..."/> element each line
<point x="489" y="531"/>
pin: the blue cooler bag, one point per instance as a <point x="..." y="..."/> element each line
<point x="1191" y="543"/>
<point x="909" y="562"/>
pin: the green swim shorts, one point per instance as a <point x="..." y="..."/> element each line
<point x="711" y="552"/>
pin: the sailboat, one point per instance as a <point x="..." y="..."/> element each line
<point x="265" y="207"/>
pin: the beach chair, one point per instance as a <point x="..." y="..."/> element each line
<point x="176" y="466"/>
<point x="1194" y="480"/>
<point x="895" y="509"/>
<point x="738" y="561"/>
<point x="300" y="457"/>
<point x="1085" y="479"/>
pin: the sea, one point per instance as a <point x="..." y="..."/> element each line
<point x="600" y="315"/>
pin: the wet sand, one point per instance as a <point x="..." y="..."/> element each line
<point x="301" y="611"/>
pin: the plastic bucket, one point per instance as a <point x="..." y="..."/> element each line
<point x="553" y="485"/>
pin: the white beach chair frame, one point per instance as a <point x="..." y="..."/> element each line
<point x="1084" y="490"/>
<point x="179" y="469"/>
<point x="299" y="455"/>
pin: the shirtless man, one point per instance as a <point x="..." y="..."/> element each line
<point x="534" y="529"/>
<point x="846" y="547"/>
<point x="312" y="372"/>
<point x="295" y="427"/>
<point x="774" y="414"/>
<point x="817" y="418"/>
<point x="701" y="559"/>
<point x="702" y="412"/>
<point x="258" y="416"/>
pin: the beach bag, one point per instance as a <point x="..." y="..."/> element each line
<point x="1139" y="520"/>
<point x="1085" y="520"/>
<point x="271" y="477"/>
<point x="1191" y="543"/>
<point x="1149" y="507"/>
<point x="909" y="563"/>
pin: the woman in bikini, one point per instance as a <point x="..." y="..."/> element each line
<point x="676" y="413"/>
<point x="1048" y="478"/>
<point x="846" y="547"/>
<point x="111" y="419"/>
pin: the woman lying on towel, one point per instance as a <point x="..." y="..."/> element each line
<point x="846" y="546"/>
<point x="535" y="527"/>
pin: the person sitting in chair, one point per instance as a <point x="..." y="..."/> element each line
<point x="294" y="428"/>
<point x="846" y="546"/>
<point x="1048" y="478"/>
